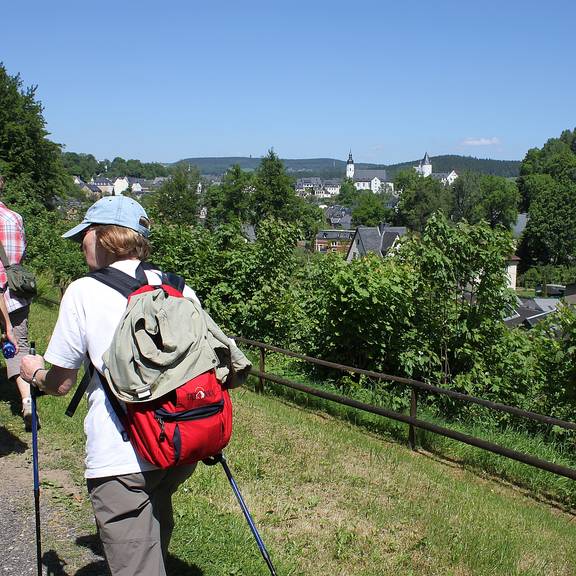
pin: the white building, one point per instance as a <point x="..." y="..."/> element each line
<point x="122" y="184"/>
<point x="331" y="187"/>
<point x="374" y="180"/>
<point x="424" y="168"/>
<point x="317" y="187"/>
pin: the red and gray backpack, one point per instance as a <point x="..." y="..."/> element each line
<point x="189" y="424"/>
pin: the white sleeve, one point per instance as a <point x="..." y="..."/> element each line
<point x="67" y="347"/>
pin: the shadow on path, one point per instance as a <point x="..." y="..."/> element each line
<point x="10" y="444"/>
<point x="57" y="567"/>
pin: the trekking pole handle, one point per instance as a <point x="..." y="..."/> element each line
<point x="34" y="390"/>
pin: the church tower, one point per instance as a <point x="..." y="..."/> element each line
<point x="425" y="167"/>
<point x="350" y="166"/>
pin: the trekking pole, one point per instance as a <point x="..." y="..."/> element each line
<point x="220" y="458"/>
<point x="33" y="394"/>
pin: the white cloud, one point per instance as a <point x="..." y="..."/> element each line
<point x="480" y="141"/>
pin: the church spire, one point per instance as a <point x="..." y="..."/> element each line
<point x="350" y="166"/>
<point x="425" y="166"/>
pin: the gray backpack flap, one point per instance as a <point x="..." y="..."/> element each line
<point x="22" y="282"/>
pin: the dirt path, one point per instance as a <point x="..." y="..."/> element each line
<point x="66" y="550"/>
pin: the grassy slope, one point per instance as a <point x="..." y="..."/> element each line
<point x="330" y="498"/>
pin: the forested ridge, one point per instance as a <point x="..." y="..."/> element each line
<point x="334" y="168"/>
<point x="87" y="166"/>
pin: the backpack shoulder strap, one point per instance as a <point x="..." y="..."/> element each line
<point x="81" y="389"/>
<point x="174" y="280"/>
<point x="125" y="284"/>
<point x="169" y="278"/>
<point x="3" y="256"/>
<point x="120" y="281"/>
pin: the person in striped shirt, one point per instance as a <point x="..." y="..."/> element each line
<point x="14" y="241"/>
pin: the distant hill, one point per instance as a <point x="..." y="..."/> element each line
<point x="332" y="168"/>
<point x="506" y="168"/>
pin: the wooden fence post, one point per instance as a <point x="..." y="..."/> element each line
<point x="260" y="386"/>
<point x="413" y="408"/>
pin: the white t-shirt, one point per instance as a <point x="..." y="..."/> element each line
<point x="89" y="313"/>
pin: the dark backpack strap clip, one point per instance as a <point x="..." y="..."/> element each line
<point x="114" y="402"/>
<point x="80" y="389"/>
<point x="116" y="406"/>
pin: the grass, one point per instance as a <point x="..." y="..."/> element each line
<point x="560" y="450"/>
<point x="525" y="292"/>
<point x="330" y="497"/>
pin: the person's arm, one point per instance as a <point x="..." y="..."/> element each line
<point x="5" y="319"/>
<point x="56" y="381"/>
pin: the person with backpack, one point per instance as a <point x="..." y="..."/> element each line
<point x="131" y="497"/>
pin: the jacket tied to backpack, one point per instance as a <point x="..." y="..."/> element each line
<point x="152" y="355"/>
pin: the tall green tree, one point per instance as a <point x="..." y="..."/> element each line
<point x="370" y="209"/>
<point x="531" y="185"/>
<point x="499" y="201"/>
<point x="460" y="295"/>
<point x="467" y="195"/>
<point x="230" y="201"/>
<point x="118" y="167"/>
<point x="26" y="153"/>
<point x="549" y="237"/>
<point x="548" y="187"/>
<point x="348" y="195"/>
<point x="177" y="200"/>
<point x="420" y="197"/>
<point x="557" y="158"/>
<point x="273" y="195"/>
<point x="84" y="165"/>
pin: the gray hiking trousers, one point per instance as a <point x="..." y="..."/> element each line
<point x="134" y="517"/>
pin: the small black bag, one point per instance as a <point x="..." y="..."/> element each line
<point x="21" y="282"/>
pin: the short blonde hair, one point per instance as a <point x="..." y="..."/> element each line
<point x="123" y="243"/>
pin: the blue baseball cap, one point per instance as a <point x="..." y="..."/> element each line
<point x="118" y="210"/>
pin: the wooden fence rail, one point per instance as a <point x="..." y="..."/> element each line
<point x="412" y="419"/>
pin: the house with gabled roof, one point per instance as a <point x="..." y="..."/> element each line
<point x="374" y="239"/>
<point x="333" y="241"/>
<point x="92" y="191"/>
<point x="105" y="185"/>
<point x="308" y="186"/>
<point x="339" y="217"/>
<point x="445" y="178"/>
<point x="529" y="311"/>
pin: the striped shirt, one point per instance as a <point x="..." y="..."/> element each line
<point x="14" y="242"/>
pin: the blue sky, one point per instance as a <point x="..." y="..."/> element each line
<point x="161" y="81"/>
